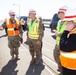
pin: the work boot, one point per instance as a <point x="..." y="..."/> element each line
<point x="33" y="60"/>
<point x="60" y="70"/>
<point x="37" y="60"/>
<point x="12" y="57"/>
<point x="60" y="74"/>
<point x="17" y="57"/>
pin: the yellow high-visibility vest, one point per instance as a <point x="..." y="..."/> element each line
<point x="61" y="30"/>
<point x="33" y="31"/>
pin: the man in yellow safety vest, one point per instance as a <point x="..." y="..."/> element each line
<point x="60" y="28"/>
<point x="35" y="34"/>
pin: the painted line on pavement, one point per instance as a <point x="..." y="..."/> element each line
<point x="49" y="44"/>
<point x="49" y="70"/>
<point x="52" y="72"/>
<point x="50" y="60"/>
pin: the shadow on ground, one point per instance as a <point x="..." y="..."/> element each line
<point x="26" y="42"/>
<point x="3" y="36"/>
<point x="53" y="36"/>
<point x="9" y="68"/>
<point x="35" y="69"/>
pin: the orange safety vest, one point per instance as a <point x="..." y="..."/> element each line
<point x="68" y="59"/>
<point x="10" y="27"/>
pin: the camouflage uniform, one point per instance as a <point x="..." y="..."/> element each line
<point x="42" y="41"/>
<point x="35" y="48"/>
<point x="56" y="51"/>
<point x="13" y="41"/>
<point x="14" y="44"/>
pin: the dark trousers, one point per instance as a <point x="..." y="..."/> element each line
<point x="66" y="71"/>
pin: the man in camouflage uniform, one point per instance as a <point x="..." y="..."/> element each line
<point x="35" y="34"/>
<point x="58" y="32"/>
<point x="14" y="34"/>
<point x="43" y="35"/>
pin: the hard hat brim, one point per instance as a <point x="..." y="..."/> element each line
<point x="66" y="19"/>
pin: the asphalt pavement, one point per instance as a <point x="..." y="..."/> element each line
<point x="47" y="65"/>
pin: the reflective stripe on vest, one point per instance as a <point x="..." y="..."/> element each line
<point x="60" y="30"/>
<point x="10" y="27"/>
<point x="69" y="55"/>
<point x="33" y="31"/>
<point x="33" y="36"/>
<point x="68" y="59"/>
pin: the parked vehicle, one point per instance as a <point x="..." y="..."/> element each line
<point x="54" y="22"/>
<point x="25" y="18"/>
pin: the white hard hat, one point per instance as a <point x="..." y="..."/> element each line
<point x="63" y="9"/>
<point x="11" y="12"/>
<point x="32" y="11"/>
<point x="70" y="15"/>
<point x="39" y="17"/>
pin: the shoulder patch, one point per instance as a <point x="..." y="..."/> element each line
<point x="37" y="20"/>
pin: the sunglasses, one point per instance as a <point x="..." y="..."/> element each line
<point x="60" y="12"/>
<point x="12" y="15"/>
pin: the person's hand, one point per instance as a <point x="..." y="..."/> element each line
<point x="38" y="42"/>
<point x="20" y="35"/>
<point x="69" y="26"/>
<point x="1" y="28"/>
<point x="56" y="32"/>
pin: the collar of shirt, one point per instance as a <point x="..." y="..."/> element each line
<point x="13" y="21"/>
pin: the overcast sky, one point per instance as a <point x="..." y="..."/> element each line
<point x="44" y="8"/>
